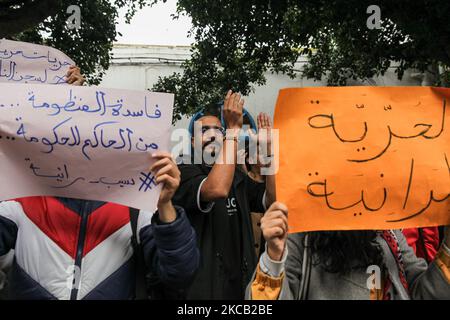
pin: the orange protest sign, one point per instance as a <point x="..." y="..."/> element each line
<point x="364" y="157"/>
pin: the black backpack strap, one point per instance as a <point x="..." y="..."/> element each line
<point x="306" y="270"/>
<point x="141" y="287"/>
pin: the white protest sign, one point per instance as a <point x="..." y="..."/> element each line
<point x="82" y="142"/>
<point x="22" y="62"/>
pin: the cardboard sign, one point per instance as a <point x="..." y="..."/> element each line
<point x="79" y="142"/>
<point x="364" y="157"/>
<point x="22" y="62"/>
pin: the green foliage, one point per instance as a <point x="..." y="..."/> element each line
<point x="237" y="41"/>
<point x="89" y="46"/>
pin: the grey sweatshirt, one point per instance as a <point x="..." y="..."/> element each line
<point x="424" y="282"/>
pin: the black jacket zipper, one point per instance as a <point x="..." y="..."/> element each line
<point x="80" y="246"/>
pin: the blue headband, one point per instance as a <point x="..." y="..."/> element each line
<point x="201" y="114"/>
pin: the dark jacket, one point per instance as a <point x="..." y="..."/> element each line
<point x="219" y="271"/>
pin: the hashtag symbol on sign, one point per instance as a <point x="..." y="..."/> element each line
<point x="148" y="181"/>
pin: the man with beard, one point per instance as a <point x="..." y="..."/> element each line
<point x="376" y="265"/>
<point x="218" y="200"/>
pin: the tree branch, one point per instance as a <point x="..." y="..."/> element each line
<point x="27" y="16"/>
<point x="7" y="4"/>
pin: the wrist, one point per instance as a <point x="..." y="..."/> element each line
<point x="167" y="212"/>
<point x="232" y="131"/>
<point x="274" y="254"/>
<point x="232" y="135"/>
<point x="231" y="138"/>
<point x="271" y="267"/>
<point x="235" y="128"/>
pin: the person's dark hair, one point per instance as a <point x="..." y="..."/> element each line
<point x="213" y="109"/>
<point x="343" y="251"/>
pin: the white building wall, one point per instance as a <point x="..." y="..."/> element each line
<point x="138" y="67"/>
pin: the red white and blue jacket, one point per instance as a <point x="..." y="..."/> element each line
<point x="57" y="239"/>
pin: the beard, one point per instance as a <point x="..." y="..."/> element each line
<point x="211" y="150"/>
<point x="343" y="251"/>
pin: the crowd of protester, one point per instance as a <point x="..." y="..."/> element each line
<point x="201" y="243"/>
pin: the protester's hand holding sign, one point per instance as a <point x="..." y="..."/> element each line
<point x="166" y="173"/>
<point x="274" y="226"/>
<point x="64" y="155"/>
<point x="66" y="145"/>
<point x="74" y="76"/>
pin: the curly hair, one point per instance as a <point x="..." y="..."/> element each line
<point x="343" y="251"/>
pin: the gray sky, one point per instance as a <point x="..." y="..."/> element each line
<point x="155" y="26"/>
